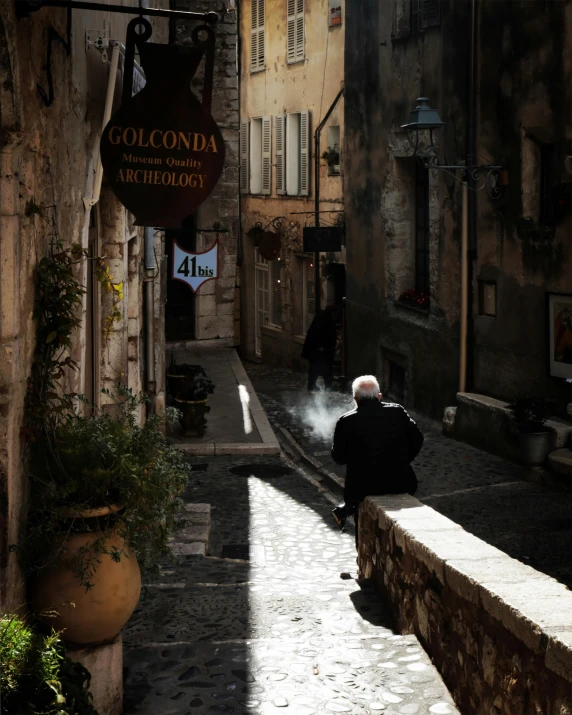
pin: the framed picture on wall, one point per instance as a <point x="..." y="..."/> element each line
<point x="560" y="335"/>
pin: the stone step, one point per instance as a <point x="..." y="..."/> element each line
<point x="193" y="538"/>
<point x="561" y="461"/>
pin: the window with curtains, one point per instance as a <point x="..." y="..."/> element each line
<point x="257" y="38"/>
<point x="421" y="229"/>
<point x="295" y="34"/>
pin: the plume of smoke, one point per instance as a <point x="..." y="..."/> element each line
<point x="320" y="412"/>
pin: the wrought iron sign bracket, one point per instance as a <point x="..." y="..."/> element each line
<point x="276" y="224"/>
<point x="25" y="7"/>
<point x="489" y="174"/>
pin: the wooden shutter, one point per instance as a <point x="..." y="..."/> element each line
<point x="243" y="150"/>
<point x="299" y="30"/>
<point x="305" y="153"/>
<point x="257" y="38"/>
<point x="402" y="12"/>
<point x="281" y="154"/>
<point x="266" y="155"/>
<point x="429" y="14"/>
<point x="295" y="26"/>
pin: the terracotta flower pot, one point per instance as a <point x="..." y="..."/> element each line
<point x="97" y="615"/>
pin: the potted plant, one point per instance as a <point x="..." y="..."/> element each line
<point x="190" y="387"/>
<point x="36" y="677"/>
<point x="536" y="440"/>
<point x="106" y="501"/>
<point x="415" y="298"/>
<point x="332" y="157"/>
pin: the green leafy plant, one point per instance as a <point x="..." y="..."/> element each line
<point x="57" y="307"/>
<point x="102" y="460"/>
<point x="530" y="413"/>
<point x="36" y="677"/>
<point x="332" y="156"/>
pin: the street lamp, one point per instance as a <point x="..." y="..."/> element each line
<point x="424" y="117"/>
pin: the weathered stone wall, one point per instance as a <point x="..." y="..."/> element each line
<point x="48" y="156"/>
<point x="498" y="631"/>
<point x="390" y="66"/>
<point x="215" y="304"/>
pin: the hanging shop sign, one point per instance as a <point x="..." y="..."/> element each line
<point x="194" y="269"/>
<point x="322" y="239"/>
<point x="162" y="152"/>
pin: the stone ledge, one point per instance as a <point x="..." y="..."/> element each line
<point x="561" y="461"/>
<point x="492" y="596"/>
<point x="486" y="422"/>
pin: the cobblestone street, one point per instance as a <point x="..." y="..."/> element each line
<point x="486" y="495"/>
<point x="272" y="620"/>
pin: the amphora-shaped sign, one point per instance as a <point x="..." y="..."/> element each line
<point x="162" y="151"/>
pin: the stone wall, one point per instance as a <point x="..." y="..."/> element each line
<point x="215" y="306"/>
<point x="499" y="632"/>
<point x="523" y="102"/>
<point x="48" y="157"/>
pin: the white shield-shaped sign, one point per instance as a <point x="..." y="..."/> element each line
<point x="194" y="269"/>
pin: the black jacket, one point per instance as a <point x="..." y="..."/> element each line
<point x="377" y="441"/>
<point x="321" y="335"/>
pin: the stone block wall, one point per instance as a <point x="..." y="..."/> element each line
<point x="499" y="632"/>
<point x="215" y="305"/>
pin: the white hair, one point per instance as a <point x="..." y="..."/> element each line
<point x="365" y="387"/>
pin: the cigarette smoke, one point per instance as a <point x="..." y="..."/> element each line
<point x="320" y="411"/>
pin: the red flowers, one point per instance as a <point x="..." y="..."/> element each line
<point x="415" y="297"/>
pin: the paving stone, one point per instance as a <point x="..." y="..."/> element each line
<point x="278" y="635"/>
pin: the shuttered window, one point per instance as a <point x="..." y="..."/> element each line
<point x="243" y="168"/>
<point x="281" y="154"/>
<point x="266" y="155"/>
<point x="261" y="299"/>
<point x="257" y="39"/>
<point x="295" y="52"/>
<point x="256" y="156"/>
<point x="427" y="13"/>
<point x="275" y="293"/>
<point x="297" y="148"/>
<point x="305" y="153"/>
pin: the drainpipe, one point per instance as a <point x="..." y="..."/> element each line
<point x="466" y="376"/>
<point x="149" y="316"/>
<point x="317" y="133"/>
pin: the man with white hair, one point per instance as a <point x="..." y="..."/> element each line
<point x="377" y="441"/>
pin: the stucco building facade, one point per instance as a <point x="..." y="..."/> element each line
<point x="508" y="107"/>
<point x="291" y="71"/>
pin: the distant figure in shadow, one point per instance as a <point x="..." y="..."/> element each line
<point x="377" y="441"/>
<point x="320" y="348"/>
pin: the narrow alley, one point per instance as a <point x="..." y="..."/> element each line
<point x="273" y="616"/>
